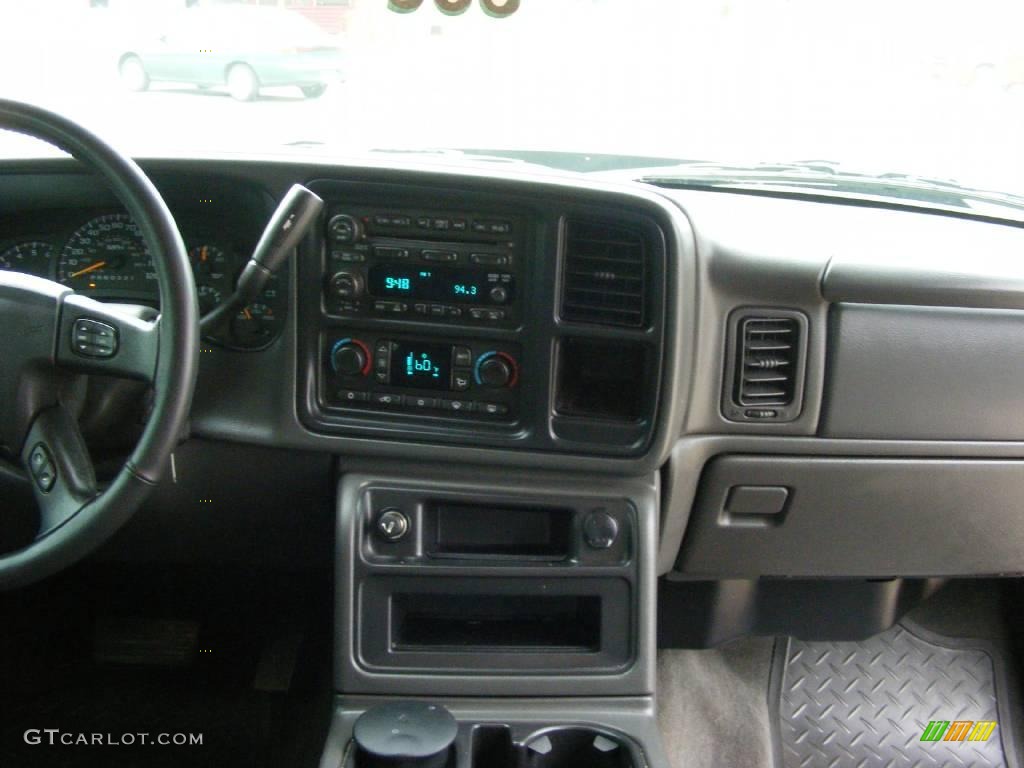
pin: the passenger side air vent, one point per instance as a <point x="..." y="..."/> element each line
<point x="604" y="278"/>
<point x="766" y="368"/>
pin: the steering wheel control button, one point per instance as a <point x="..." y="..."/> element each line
<point x="91" y="338"/>
<point x="41" y="466"/>
<point x="392" y="525"/>
<point x="600" y="530"/>
<point x="405" y="734"/>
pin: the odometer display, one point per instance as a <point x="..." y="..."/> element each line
<point x="107" y="256"/>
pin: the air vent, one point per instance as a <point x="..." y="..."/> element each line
<point x="766" y="370"/>
<point x="604" y="277"/>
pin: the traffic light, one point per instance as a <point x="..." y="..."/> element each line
<point x="499" y="8"/>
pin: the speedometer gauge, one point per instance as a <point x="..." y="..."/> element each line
<point x="32" y="258"/>
<point x="108" y="256"/>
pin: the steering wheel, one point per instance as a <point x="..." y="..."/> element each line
<point x="48" y="333"/>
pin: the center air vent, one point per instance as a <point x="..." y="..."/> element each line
<point x="766" y="369"/>
<point x="604" y="275"/>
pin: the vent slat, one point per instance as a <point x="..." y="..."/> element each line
<point x="604" y="275"/>
<point x="766" y="361"/>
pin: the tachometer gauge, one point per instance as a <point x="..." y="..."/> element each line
<point x="32" y="258"/>
<point x="108" y="256"/>
<point x="212" y="270"/>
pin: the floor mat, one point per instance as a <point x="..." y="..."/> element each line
<point x="905" y="697"/>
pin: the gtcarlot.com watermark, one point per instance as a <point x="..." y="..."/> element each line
<point x="56" y="737"/>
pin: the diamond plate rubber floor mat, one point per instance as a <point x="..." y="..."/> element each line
<point x="898" y="699"/>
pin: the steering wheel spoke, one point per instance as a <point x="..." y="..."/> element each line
<point x="59" y="468"/>
<point x="98" y="338"/>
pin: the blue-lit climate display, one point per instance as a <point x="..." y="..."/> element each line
<point x="425" y="366"/>
<point x="447" y="284"/>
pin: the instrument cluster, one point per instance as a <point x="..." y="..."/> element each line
<point x="104" y="256"/>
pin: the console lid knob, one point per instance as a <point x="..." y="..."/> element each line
<point x="404" y="734"/>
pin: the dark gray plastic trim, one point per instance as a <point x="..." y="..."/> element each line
<point x="632" y="716"/>
<point x="861" y="517"/>
<point x="683" y="471"/>
<point x="925" y="373"/>
<point x="529" y="487"/>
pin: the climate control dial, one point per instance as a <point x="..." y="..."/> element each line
<point x="350" y="357"/>
<point x="496" y="370"/>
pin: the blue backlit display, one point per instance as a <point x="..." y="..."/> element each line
<point x="427" y="366"/>
<point x="397" y="284"/>
<point x="444" y="284"/>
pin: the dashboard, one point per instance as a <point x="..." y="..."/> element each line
<point x="741" y="351"/>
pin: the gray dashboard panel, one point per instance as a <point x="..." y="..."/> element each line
<point x="925" y="373"/>
<point x="860" y="517"/>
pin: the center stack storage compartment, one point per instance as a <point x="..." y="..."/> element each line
<point x="455" y="590"/>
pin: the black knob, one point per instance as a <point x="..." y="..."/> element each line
<point x="495" y="372"/>
<point x="404" y="734"/>
<point x="346" y="285"/>
<point x="600" y="529"/>
<point x="349" y="358"/>
<point x="344" y="228"/>
<point x="499" y="294"/>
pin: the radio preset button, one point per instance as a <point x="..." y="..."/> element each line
<point x="459" y="225"/>
<point x="454" y="311"/>
<point x="489" y="259"/>
<point x="441" y="224"/>
<point x="447" y="256"/>
<point x="423" y="222"/>
<point x="437" y="310"/>
<point x="390" y="252"/>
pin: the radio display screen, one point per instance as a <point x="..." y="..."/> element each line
<point x="423" y="366"/>
<point x="427" y="283"/>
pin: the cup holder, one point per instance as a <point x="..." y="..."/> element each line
<point x="561" y="747"/>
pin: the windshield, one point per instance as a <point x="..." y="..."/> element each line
<point x="934" y="89"/>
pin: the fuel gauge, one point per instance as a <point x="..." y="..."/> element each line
<point x="254" y="326"/>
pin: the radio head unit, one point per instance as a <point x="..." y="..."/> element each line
<point x="450" y="268"/>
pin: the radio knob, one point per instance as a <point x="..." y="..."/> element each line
<point x="346" y="285"/>
<point x="498" y="294"/>
<point x="344" y="228"/>
<point x="349" y="357"/>
<point x="495" y="372"/>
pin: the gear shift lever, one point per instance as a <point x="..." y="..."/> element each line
<point x="291" y="221"/>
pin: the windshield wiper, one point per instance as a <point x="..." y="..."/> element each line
<point x="829" y="177"/>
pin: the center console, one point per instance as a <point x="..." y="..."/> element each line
<point x="502" y="586"/>
<point x="482" y="320"/>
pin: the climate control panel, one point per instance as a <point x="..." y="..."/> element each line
<point x="431" y="377"/>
